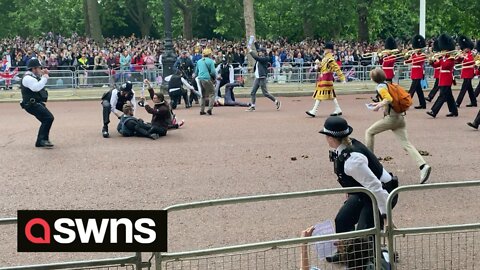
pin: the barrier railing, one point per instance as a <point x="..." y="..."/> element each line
<point x="187" y="259"/>
<point x="440" y="247"/>
<point x="129" y="262"/>
<point x="75" y="77"/>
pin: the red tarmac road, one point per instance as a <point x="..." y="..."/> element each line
<point x="232" y="153"/>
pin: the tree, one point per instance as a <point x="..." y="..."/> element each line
<point x="186" y="6"/>
<point x="249" y="16"/>
<point x="362" y="8"/>
<point x="140" y="14"/>
<point x="94" y="26"/>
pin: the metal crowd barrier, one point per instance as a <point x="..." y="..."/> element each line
<point x="74" y="77"/>
<point x="440" y="247"/>
<point x="124" y="263"/>
<point x="280" y="254"/>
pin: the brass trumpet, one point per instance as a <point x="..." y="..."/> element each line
<point x="370" y="54"/>
<point x="470" y="64"/>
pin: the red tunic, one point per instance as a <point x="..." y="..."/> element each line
<point x="468" y="67"/>
<point x="436" y="68"/>
<point x="388" y="63"/>
<point x="446" y="71"/>
<point x="417" y="60"/>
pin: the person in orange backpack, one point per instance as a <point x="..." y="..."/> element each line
<point x="393" y="120"/>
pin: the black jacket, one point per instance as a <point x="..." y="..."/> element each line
<point x="263" y="63"/>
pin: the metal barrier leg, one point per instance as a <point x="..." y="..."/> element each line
<point x="138" y="263"/>
<point x="158" y="261"/>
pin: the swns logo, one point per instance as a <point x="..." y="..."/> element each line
<point x="92" y="231"/>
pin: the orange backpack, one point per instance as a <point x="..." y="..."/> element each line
<point x="401" y="98"/>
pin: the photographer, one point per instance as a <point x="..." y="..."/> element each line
<point x="34" y="97"/>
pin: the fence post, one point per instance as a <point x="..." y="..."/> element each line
<point x="158" y="261"/>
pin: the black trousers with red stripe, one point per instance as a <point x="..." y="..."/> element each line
<point x="466" y="87"/>
<point x="416" y="87"/>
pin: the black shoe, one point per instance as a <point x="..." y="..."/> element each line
<point x="333" y="259"/>
<point x="458" y="105"/>
<point x="196" y="101"/>
<point x="420" y="107"/>
<point x="105" y="132"/>
<point x="472" y="125"/>
<point x="336" y="114"/>
<point x="209" y="112"/>
<point x="203" y="113"/>
<point x="471" y="105"/>
<point x="310" y="114"/>
<point x="44" y="144"/>
<point x="452" y="115"/>
<point x="431" y="114"/>
<point x="428" y="99"/>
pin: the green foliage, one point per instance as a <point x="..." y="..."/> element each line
<point x="293" y="19"/>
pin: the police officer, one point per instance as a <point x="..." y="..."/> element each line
<point x="113" y="101"/>
<point x="185" y="65"/>
<point x="34" y="97"/>
<point x="225" y="75"/>
<point x="355" y="166"/>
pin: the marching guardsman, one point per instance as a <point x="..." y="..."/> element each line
<point x="477" y="64"/>
<point x="447" y="44"/>
<point x="417" y="60"/>
<point x="324" y="89"/>
<point x="388" y="61"/>
<point x="435" y="62"/>
<point x="476" y="122"/>
<point x="468" y="71"/>
<point x="34" y="97"/>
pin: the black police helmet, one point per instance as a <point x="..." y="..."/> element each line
<point x="33" y="63"/>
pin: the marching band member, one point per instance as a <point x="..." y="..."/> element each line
<point x="388" y="61"/>
<point x="476" y="122"/>
<point x="417" y="61"/>
<point x="468" y="70"/>
<point x="435" y="63"/>
<point x="324" y="89"/>
<point x="446" y="79"/>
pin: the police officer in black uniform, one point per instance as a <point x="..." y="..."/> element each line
<point x="225" y="75"/>
<point x="185" y="65"/>
<point x="34" y="97"/>
<point x="113" y="101"/>
<point x="355" y="166"/>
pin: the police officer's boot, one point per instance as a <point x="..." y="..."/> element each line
<point x="105" y="131"/>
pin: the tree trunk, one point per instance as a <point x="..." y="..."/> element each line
<point x="138" y="11"/>
<point x="307" y="27"/>
<point x="249" y="16"/>
<point x="88" y="33"/>
<point x="187" y="23"/>
<point x="362" y="9"/>
<point x="187" y="12"/>
<point x="94" y="21"/>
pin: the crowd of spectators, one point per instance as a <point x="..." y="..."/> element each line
<point x="58" y="52"/>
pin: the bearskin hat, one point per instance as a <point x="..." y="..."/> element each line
<point x="436" y="46"/>
<point x="418" y="42"/>
<point x="465" y="43"/>
<point x="329" y="45"/>
<point x="390" y="43"/>
<point x="446" y="43"/>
